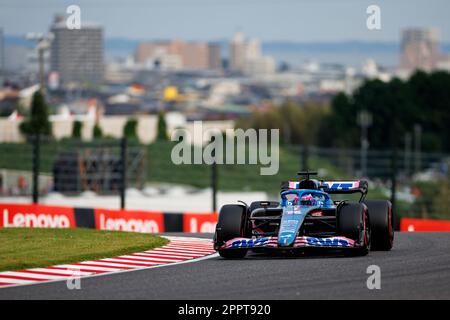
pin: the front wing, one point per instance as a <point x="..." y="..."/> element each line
<point x="337" y="242"/>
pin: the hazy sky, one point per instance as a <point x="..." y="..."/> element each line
<point x="296" y="20"/>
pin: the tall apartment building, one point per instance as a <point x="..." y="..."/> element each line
<point x="195" y="55"/>
<point x="238" y="50"/>
<point x="77" y="55"/>
<point x="177" y="54"/>
<point x="253" y="49"/>
<point x="246" y="57"/>
<point x="215" y="56"/>
<point x="419" y="49"/>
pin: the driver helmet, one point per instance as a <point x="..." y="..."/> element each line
<point x="307" y="199"/>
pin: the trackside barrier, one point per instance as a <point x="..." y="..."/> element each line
<point x="43" y="216"/>
<point x="411" y="225"/>
<point x="37" y="216"/>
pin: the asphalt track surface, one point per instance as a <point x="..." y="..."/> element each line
<point x="417" y="268"/>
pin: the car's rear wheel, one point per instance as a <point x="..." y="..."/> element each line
<point x="230" y="224"/>
<point x="353" y="223"/>
<point x="381" y="223"/>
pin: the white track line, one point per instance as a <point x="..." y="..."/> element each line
<point x="161" y="255"/>
<point x="76" y="267"/>
<point x="151" y="259"/>
<point x="16" y="281"/>
<point x="57" y="271"/>
<point x="183" y="247"/>
<point x="109" y="264"/>
<point x="31" y="275"/>
<point x="185" y="252"/>
<point x="191" y="244"/>
<point x="130" y="262"/>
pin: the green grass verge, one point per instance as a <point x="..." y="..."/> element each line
<point x="23" y="248"/>
<point x="235" y="177"/>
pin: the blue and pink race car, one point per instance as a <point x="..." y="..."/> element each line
<point x="306" y="218"/>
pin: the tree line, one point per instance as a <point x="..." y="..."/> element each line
<point x="37" y="123"/>
<point x="396" y="108"/>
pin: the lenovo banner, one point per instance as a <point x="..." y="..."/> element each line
<point x="35" y="216"/>
<point x="197" y="222"/>
<point x="411" y="225"/>
<point x="129" y="220"/>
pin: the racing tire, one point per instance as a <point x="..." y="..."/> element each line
<point x="230" y="224"/>
<point x="381" y="224"/>
<point x="353" y="223"/>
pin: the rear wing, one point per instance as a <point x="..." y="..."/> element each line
<point x="335" y="186"/>
<point x="342" y="187"/>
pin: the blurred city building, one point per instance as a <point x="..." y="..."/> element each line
<point x="259" y="65"/>
<point x="77" y="55"/>
<point x="246" y="57"/>
<point x="420" y="49"/>
<point x="215" y="56"/>
<point x="181" y="76"/>
<point x="237" y="52"/>
<point x="178" y="54"/>
<point x="371" y="70"/>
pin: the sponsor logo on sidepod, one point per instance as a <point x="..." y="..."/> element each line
<point x="41" y="220"/>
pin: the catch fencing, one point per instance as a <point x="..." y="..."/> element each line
<point x="110" y="166"/>
<point x="42" y="165"/>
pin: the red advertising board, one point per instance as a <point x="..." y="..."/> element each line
<point x="129" y="220"/>
<point x="35" y="216"/>
<point x="198" y="222"/>
<point x="411" y="225"/>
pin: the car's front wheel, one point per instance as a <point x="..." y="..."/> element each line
<point x="230" y="225"/>
<point x="353" y="223"/>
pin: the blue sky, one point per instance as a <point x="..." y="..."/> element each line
<point x="292" y="20"/>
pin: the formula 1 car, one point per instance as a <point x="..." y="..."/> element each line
<point x="307" y="218"/>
